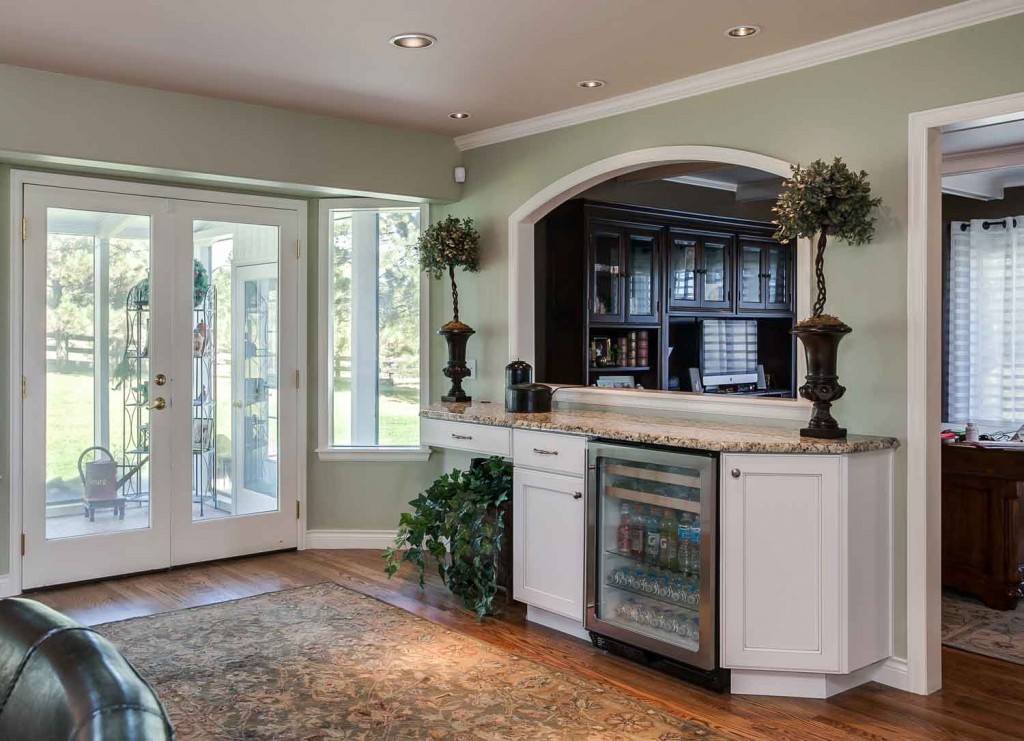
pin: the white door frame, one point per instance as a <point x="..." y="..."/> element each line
<point x="924" y="385"/>
<point x="521" y="342"/>
<point x="10" y="584"/>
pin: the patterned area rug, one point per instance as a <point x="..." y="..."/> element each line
<point x="970" y="626"/>
<point x="323" y="662"/>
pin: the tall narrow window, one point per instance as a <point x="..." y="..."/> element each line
<point x="371" y="316"/>
<point x="986" y="322"/>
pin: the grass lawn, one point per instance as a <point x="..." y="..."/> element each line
<point x="399" y="414"/>
<point x="69" y="418"/>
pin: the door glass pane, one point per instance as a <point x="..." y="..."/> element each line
<point x="750" y="274"/>
<point x="398" y="327"/>
<point x="234" y="369"/>
<point x="97" y="372"/>
<point x="778" y="277"/>
<point x="607" y="267"/>
<point x="641" y="276"/>
<point x="684" y="266"/>
<point x="714" y="272"/>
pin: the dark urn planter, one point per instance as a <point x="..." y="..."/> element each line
<point x="821" y="345"/>
<point x="456" y="334"/>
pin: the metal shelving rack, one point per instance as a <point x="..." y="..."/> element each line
<point x="135" y="393"/>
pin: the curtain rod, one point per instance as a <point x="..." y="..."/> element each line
<point x="986" y="224"/>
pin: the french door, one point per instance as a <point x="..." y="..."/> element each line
<point x="160" y="402"/>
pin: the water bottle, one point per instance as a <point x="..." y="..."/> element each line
<point x="653" y="547"/>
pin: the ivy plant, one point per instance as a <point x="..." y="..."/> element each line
<point x="458" y="521"/>
<point x="825" y="200"/>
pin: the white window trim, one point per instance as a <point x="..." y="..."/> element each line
<point x="325" y="451"/>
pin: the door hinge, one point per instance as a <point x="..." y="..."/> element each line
<point x="298" y="249"/>
<point x="298" y="509"/>
<point x="298" y="379"/>
<point x="24" y="387"/>
<point x="23" y="544"/>
<point x="24" y="228"/>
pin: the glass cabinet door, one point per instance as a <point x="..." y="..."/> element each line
<point x="751" y="276"/>
<point x="682" y="279"/>
<point x="777" y="276"/>
<point x="642" y="303"/>
<point x="716" y="274"/>
<point x="606" y="273"/>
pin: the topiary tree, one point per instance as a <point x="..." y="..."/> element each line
<point x="823" y="200"/>
<point x="446" y="245"/>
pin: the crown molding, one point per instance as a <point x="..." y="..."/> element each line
<point x="978" y="160"/>
<point x="912" y="28"/>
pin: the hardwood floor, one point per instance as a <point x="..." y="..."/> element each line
<point x="982" y="698"/>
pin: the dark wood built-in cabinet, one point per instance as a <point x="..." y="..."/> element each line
<point x="618" y="273"/>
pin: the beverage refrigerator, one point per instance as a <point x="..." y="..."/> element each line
<point x="652" y="557"/>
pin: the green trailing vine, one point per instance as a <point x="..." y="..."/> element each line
<point x="462" y="509"/>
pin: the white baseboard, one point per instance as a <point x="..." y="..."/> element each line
<point x="892" y="672"/>
<point x="348" y="539"/>
<point x="8" y="586"/>
<point x="557" y="622"/>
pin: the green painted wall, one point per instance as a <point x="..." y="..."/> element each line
<point x="158" y="135"/>
<point x="856" y="108"/>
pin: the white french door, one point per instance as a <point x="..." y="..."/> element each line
<point x="160" y="413"/>
<point x="235" y="445"/>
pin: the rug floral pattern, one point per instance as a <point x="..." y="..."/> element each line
<point x="323" y="662"/>
<point x="970" y="626"/>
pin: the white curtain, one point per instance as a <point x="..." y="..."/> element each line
<point x="986" y="322"/>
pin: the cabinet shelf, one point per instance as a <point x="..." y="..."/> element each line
<point x="651" y="474"/>
<point x="647" y="595"/>
<point x="620" y="369"/>
<point x="691" y="579"/>
<point x="656" y="500"/>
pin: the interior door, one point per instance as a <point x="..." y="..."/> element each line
<point x="232" y="495"/>
<point x="96" y="359"/>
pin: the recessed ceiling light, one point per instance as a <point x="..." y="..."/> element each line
<point x="591" y="83"/>
<point x="458" y="115"/>
<point x="413" y="40"/>
<point x="742" y="32"/>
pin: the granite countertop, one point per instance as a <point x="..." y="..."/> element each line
<point x="642" y="428"/>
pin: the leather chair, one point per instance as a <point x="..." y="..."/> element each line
<point x="60" y="680"/>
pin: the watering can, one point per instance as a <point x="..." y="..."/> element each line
<point x="99" y="477"/>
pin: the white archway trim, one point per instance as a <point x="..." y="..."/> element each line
<point x="521" y="265"/>
<point x="924" y="390"/>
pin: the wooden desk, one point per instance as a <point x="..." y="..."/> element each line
<point x="982" y="523"/>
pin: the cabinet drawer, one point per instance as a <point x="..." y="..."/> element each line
<point x="550" y="451"/>
<point x="464" y="436"/>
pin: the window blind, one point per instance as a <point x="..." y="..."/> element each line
<point x="986" y="323"/>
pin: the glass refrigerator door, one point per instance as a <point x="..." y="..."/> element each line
<point x="655" y="545"/>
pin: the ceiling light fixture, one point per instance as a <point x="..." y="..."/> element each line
<point x="459" y="115"/>
<point x="413" y="40"/>
<point x="591" y="83"/>
<point x="742" y="32"/>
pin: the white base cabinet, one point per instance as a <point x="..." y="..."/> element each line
<point x="549" y="541"/>
<point x="805" y="559"/>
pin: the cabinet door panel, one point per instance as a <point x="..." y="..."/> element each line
<point x="751" y="276"/>
<point x="781" y="575"/>
<point x="779" y="278"/>
<point x="642" y="295"/>
<point x="548" y="541"/>
<point x="716" y="274"/>
<point x="605" y="264"/>
<point x="682" y="277"/>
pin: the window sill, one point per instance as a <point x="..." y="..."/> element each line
<point x="378" y="455"/>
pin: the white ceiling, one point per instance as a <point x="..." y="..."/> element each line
<point x="501" y="60"/>
<point x="982" y="159"/>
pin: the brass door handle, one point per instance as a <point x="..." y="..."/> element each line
<point x="158" y="403"/>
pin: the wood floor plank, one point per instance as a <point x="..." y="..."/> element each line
<point x="982" y="698"/>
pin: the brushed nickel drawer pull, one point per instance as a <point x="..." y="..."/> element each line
<point x="539" y="451"/>
<point x="457" y="436"/>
